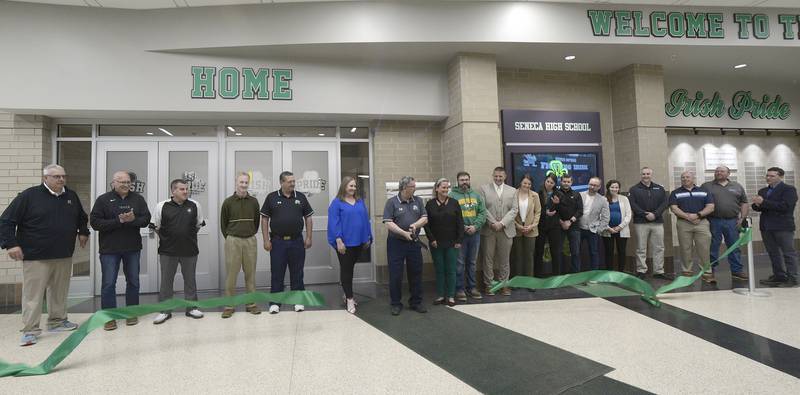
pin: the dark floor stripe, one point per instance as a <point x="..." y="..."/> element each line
<point x="605" y="385"/>
<point x="769" y="352"/>
<point x="487" y="357"/>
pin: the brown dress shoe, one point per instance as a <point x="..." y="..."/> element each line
<point x="506" y="292"/>
<point x="488" y="291"/>
<point x="253" y="309"/>
<point x="110" y="325"/>
<point x="228" y="312"/>
<point x="709" y="278"/>
<point x="131" y="321"/>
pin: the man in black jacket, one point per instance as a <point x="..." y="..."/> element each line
<point x="776" y="204"/>
<point x="177" y="221"/>
<point x="39" y="228"/>
<point x="648" y="202"/>
<point x="570" y="210"/>
<point x="118" y="215"/>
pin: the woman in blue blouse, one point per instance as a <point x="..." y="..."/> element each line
<point x="618" y="231"/>
<point x="349" y="232"/>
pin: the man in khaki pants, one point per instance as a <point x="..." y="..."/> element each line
<point x="692" y="204"/>
<point x="39" y="228"/>
<point x="239" y="220"/>
<point x="498" y="232"/>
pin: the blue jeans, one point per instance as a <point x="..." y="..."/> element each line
<point x="780" y="247"/>
<point x="291" y="254"/>
<point x="725" y="228"/>
<point x="467" y="256"/>
<point x="109" y="264"/>
<point x="594" y="255"/>
<point x="400" y="252"/>
<point x="574" y="236"/>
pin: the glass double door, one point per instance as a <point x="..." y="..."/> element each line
<point x="153" y="165"/>
<point x="316" y="173"/>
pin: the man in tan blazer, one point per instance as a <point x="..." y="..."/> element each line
<point x="498" y="232"/>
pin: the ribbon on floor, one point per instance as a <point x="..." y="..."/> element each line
<point x="624" y="280"/>
<point x="99" y="318"/>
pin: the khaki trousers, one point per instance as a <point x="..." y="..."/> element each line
<point x="694" y="239"/>
<point x="649" y="235"/>
<point x="51" y="276"/>
<point x="496" y="253"/>
<point x="240" y="254"/>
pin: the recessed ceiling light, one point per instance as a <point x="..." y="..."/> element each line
<point x="740" y="66"/>
<point x="149" y="133"/>
<point x="321" y="134"/>
<point x="363" y="176"/>
<point x="231" y="128"/>
<point x="569" y="57"/>
<point x="238" y="134"/>
<point x="353" y="130"/>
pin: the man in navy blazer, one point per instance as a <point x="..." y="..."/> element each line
<point x="776" y="203"/>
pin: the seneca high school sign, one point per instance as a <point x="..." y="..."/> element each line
<point x="208" y="82"/>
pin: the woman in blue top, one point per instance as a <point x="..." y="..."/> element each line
<point x="618" y="230"/>
<point x="349" y="232"/>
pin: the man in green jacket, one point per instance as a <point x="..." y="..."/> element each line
<point x="239" y="220"/>
<point x="473" y="211"/>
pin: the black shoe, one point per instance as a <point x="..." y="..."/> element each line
<point x="790" y="282"/>
<point x="641" y="275"/>
<point x="773" y="281"/>
<point x="664" y="276"/>
<point x="419" y="308"/>
<point x="396" y="310"/>
<point x="438" y="301"/>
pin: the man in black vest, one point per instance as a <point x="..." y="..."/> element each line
<point x="118" y="215"/>
<point x="177" y="222"/>
<point x="39" y="229"/>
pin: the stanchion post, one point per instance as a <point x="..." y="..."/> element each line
<point x="751" y="289"/>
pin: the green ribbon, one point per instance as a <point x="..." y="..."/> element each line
<point x="625" y="280"/>
<point x="99" y="318"/>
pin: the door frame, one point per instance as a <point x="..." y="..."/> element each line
<point x="148" y="282"/>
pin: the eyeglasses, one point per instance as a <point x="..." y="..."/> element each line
<point x="58" y="176"/>
<point x="123" y="182"/>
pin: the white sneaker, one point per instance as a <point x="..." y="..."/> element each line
<point x="351" y="306"/>
<point x="161" y="317"/>
<point x="298" y="308"/>
<point x="274" y="309"/>
<point x="194" y="313"/>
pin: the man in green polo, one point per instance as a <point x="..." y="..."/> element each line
<point x="239" y="220"/>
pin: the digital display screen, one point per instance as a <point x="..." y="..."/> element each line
<point x="581" y="166"/>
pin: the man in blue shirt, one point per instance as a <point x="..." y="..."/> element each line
<point x="692" y="204"/>
<point x="776" y="204"/>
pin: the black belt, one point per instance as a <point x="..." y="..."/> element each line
<point x="290" y="237"/>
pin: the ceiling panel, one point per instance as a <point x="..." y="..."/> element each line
<point x="155" y="4"/>
<point x="137" y="4"/>
<point x="204" y="3"/>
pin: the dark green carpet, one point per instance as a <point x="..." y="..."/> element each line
<point x="489" y="358"/>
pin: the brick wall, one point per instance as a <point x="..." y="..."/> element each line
<point x="401" y="148"/>
<point x="25" y="148"/>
